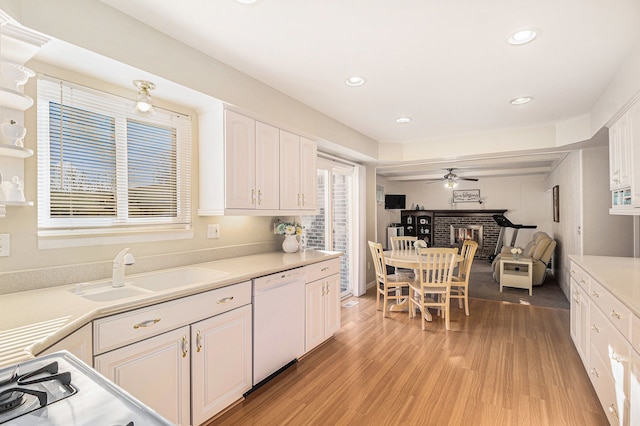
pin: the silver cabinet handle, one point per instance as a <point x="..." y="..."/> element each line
<point x="147" y="323"/>
<point x="298" y="199"/>
<point x="198" y="341"/>
<point x="615" y="314"/>
<point x="253" y="196"/>
<point x="582" y="280"/>
<point x="259" y="196"/>
<point x="225" y="300"/>
<point x="303" y="199"/>
<point x="595" y="328"/>
<point x="614" y="411"/>
<point x="595" y="372"/>
<point x="185" y="342"/>
<point x="595" y="294"/>
<point x="615" y="357"/>
<point x="326" y="268"/>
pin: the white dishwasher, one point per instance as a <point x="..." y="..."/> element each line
<point x="278" y="322"/>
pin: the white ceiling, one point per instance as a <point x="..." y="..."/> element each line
<point x="445" y="64"/>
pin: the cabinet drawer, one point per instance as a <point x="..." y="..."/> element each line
<point x="610" y="346"/>
<point x="581" y="277"/>
<point x="615" y="311"/>
<point x="321" y="270"/>
<point x="123" y="329"/>
<point x="615" y="405"/>
<point x="635" y="333"/>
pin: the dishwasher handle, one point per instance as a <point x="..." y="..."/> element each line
<point x="269" y="282"/>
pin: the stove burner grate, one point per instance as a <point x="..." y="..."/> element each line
<point x="10" y="400"/>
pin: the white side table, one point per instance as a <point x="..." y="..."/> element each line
<point x="516" y="273"/>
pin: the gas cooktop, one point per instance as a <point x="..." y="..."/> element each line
<point x="59" y="389"/>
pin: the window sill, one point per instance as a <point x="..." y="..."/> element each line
<point x="55" y="239"/>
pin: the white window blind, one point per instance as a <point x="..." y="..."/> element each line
<point x="102" y="166"/>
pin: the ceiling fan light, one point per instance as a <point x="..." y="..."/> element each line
<point x="450" y="184"/>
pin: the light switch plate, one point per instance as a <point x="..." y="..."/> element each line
<point x="5" y="245"/>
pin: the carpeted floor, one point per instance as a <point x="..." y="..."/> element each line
<point x="483" y="286"/>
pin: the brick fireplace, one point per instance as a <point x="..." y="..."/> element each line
<point x="451" y="227"/>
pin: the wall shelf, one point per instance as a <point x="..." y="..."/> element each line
<point x="14" y="100"/>
<point x="7" y="150"/>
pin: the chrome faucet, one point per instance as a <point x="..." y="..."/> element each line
<point x="122" y="259"/>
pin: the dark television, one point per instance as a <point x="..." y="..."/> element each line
<point x="394" y="201"/>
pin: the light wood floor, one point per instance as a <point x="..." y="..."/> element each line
<point x="505" y="364"/>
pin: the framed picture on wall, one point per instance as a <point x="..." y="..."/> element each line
<point x="556" y="203"/>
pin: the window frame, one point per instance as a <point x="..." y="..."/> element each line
<point x="122" y="110"/>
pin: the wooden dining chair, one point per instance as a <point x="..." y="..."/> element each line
<point x="432" y="287"/>
<point x="403" y="243"/>
<point x="460" y="281"/>
<point x="388" y="286"/>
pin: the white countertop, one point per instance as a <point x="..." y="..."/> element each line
<point x="619" y="275"/>
<point x="31" y="321"/>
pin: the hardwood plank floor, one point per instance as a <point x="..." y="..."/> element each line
<point x="505" y="364"/>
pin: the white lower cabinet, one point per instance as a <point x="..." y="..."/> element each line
<point x="155" y="371"/>
<point x="194" y="370"/>
<point x="221" y="362"/>
<point x="601" y="331"/>
<point x="322" y="303"/>
<point x="580" y="321"/>
<point x="634" y="395"/>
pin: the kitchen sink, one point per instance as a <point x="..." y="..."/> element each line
<point x="109" y="294"/>
<point x="166" y="280"/>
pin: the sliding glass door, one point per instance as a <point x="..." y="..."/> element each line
<point x="332" y="228"/>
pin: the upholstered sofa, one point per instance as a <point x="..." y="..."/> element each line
<point x="539" y="249"/>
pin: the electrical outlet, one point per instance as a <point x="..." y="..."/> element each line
<point x="213" y="230"/>
<point x="5" y="244"/>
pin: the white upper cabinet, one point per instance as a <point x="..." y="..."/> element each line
<point x="240" y="161"/>
<point x="248" y="167"/>
<point x="298" y="173"/>
<point x="624" y="162"/>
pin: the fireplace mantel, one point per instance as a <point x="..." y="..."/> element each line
<point x="465" y="213"/>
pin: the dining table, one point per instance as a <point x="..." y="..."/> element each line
<point x="408" y="259"/>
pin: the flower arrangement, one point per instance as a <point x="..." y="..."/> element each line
<point x="516" y="251"/>
<point x="420" y="244"/>
<point x="288" y="228"/>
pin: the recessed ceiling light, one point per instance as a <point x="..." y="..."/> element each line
<point x="355" y="81"/>
<point x="403" y="120"/>
<point x="521" y="100"/>
<point x="247" y="1"/>
<point x="523" y="36"/>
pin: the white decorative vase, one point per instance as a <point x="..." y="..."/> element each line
<point x="290" y="244"/>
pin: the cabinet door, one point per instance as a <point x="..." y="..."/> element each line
<point x="221" y="362"/>
<point x="332" y="306"/>
<point x="635" y="389"/>
<point x="155" y="371"/>
<point x="290" y="195"/>
<point x="240" y="161"/>
<point x="580" y="321"/>
<point x="314" y="316"/>
<point x="633" y="157"/>
<point x="267" y="167"/>
<point x="308" y="174"/>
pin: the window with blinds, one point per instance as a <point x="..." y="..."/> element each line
<point x="102" y="166"/>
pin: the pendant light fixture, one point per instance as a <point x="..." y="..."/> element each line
<point x="143" y="101"/>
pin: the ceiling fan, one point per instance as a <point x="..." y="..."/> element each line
<point x="451" y="179"/>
